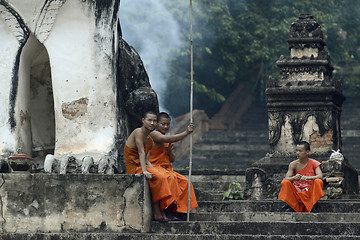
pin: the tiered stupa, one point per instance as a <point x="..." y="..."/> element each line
<point x="305" y="104"/>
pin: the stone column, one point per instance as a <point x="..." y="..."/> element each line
<point x="305" y="104"/>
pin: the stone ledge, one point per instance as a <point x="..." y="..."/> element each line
<point x="185" y="172"/>
<point x="52" y="203"/>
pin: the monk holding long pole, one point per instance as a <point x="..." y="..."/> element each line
<point x="162" y="155"/>
<point x="136" y="156"/>
<point x="191" y="109"/>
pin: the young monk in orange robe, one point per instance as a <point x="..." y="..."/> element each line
<point x="302" y="187"/>
<point x="163" y="153"/>
<point x="136" y="154"/>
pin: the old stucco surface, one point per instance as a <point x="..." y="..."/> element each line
<point x="82" y="203"/>
<point x="58" y="76"/>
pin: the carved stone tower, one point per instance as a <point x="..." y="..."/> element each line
<point x="305" y="104"/>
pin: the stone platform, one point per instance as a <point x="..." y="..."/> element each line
<point x="53" y="203"/>
<point x="217" y="219"/>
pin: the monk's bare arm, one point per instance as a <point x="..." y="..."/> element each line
<point x="140" y="147"/>
<point x="170" y="152"/>
<point x="148" y="160"/>
<point x="290" y="173"/>
<point x="161" y="138"/>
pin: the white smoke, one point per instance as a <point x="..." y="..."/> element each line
<point x="151" y="29"/>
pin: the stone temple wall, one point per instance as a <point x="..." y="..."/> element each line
<point x="55" y="203"/>
<point x="70" y="85"/>
<point x="71" y="91"/>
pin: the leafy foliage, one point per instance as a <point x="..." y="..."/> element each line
<point x="330" y="194"/>
<point x="239" y="41"/>
<point x="234" y="192"/>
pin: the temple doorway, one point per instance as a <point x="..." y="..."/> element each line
<point x="35" y="99"/>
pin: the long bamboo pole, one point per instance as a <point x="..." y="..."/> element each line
<point x="191" y="109"/>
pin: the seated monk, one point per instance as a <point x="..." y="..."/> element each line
<point x="163" y="154"/>
<point x="302" y="187"/>
<point x="163" y="187"/>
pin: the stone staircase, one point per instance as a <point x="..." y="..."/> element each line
<point x="235" y="148"/>
<point x="247" y="140"/>
<point x="266" y="219"/>
<point x="350" y="130"/>
<point x="216" y="219"/>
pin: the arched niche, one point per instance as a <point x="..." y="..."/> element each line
<point x="35" y="100"/>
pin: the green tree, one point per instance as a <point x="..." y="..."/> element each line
<point x="239" y="41"/>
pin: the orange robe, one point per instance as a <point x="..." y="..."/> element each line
<point x="161" y="184"/>
<point x="302" y="196"/>
<point x="160" y="159"/>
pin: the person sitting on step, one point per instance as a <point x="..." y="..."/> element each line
<point x="161" y="157"/>
<point x="136" y="156"/>
<point x="302" y="187"/>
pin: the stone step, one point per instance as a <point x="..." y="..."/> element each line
<point x="228" y="157"/>
<point x="166" y="236"/>
<point x="222" y="158"/>
<point x="242" y="237"/>
<point x="237" y="133"/>
<point x="213" y="185"/>
<point x="350" y="122"/>
<point x="260" y="136"/>
<point x="218" y="195"/>
<point x="198" y="164"/>
<point x="236" y="144"/>
<point x="214" y="174"/>
<point x="259" y="228"/>
<point x="229" y="147"/>
<point x="237" y="160"/>
<point x="208" y="195"/>
<point x="349" y="134"/>
<point x="252" y="127"/>
<point x="240" y="163"/>
<point x="350" y="130"/>
<point x="351" y="145"/>
<point x="210" y="191"/>
<point x="323" y="206"/>
<point x="239" y="237"/>
<point x="237" y="177"/>
<point x="275" y="216"/>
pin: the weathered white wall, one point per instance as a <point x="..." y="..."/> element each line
<point x="286" y="142"/>
<point x="306" y="51"/>
<point x="77" y="74"/>
<point x="79" y="41"/>
<point x="306" y="76"/>
<point x="8" y="49"/>
<point x="22" y="109"/>
<point x="29" y="10"/>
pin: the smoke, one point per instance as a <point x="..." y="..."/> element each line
<point x="151" y="29"/>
